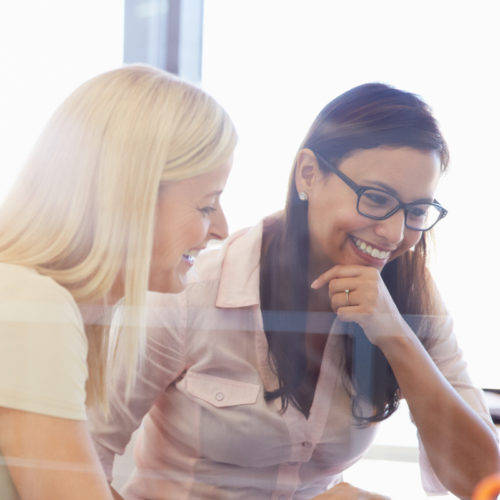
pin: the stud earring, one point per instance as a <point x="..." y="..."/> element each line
<point x="303" y="196"/>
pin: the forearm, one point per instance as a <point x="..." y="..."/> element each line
<point x="460" y="446"/>
<point x="50" y="457"/>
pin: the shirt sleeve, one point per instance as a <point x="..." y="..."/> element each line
<point x="448" y="357"/>
<point x="161" y="363"/>
<point x="43" y="348"/>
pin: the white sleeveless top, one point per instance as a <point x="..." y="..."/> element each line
<point x="43" y="351"/>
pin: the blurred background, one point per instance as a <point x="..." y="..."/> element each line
<point x="274" y="64"/>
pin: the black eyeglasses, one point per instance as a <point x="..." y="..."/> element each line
<point x="378" y="204"/>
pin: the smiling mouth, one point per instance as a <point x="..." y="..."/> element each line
<point x="189" y="257"/>
<point x="370" y="250"/>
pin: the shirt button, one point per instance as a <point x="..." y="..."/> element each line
<point x="306" y="444"/>
<point x="219" y="396"/>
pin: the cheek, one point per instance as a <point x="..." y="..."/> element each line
<point x="200" y="230"/>
<point x="412" y="239"/>
<point x="338" y="222"/>
<point x="193" y="232"/>
<point x="328" y="234"/>
<point x="409" y="241"/>
<point x="177" y="234"/>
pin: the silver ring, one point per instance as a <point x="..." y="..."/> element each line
<point x="347" y="295"/>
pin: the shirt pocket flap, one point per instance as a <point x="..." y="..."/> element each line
<point x="220" y="391"/>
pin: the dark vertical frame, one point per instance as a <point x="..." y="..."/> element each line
<point x="166" y="34"/>
<point x="173" y="36"/>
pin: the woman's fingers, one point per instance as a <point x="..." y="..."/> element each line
<point x="358" y="294"/>
<point x="342" y="284"/>
<point x="336" y="272"/>
<point x="345" y="293"/>
<point x="344" y="298"/>
<point x="351" y="313"/>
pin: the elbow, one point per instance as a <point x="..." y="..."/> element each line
<point x="464" y="486"/>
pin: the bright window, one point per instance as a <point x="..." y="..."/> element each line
<point x="46" y="50"/>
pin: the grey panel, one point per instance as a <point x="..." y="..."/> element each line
<point x="166" y="34"/>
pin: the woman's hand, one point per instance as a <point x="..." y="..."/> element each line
<point x="345" y="491"/>
<point x="367" y="303"/>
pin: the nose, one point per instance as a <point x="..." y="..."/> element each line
<point x="218" y="229"/>
<point x="392" y="229"/>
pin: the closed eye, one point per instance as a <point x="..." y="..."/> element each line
<point x="420" y="211"/>
<point x="378" y="198"/>
<point x="206" y="211"/>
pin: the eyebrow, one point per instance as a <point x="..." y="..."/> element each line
<point x="213" y="193"/>
<point x="392" y="191"/>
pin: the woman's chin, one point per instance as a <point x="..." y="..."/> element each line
<point x="168" y="283"/>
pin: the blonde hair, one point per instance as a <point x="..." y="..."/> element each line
<point x="83" y="207"/>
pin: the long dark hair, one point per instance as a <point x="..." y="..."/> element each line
<point x="365" y="117"/>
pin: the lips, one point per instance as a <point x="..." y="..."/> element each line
<point x="370" y="249"/>
<point x="188" y="258"/>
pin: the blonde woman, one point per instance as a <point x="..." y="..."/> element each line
<point x="118" y="196"/>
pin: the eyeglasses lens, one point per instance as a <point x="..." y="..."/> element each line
<point x="378" y="204"/>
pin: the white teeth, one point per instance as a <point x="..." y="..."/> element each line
<point x="188" y="257"/>
<point x="374" y="252"/>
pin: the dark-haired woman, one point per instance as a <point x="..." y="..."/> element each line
<point x="267" y="376"/>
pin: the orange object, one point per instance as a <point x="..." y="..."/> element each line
<point x="488" y="488"/>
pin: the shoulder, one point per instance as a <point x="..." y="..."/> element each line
<point x="29" y="298"/>
<point x="236" y="250"/>
<point x="210" y="263"/>
<point x="43" y="346"/>
<point x="26" y="294"/>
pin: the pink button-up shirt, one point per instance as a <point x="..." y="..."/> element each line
<point x="207" y="432"/>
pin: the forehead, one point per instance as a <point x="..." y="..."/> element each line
<point x="201" y="185"/>
<point x="413" y="174"/>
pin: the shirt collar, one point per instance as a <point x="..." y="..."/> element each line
<point x="240" y="273"/>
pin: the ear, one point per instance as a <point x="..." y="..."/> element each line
<point x="307" y="172"/>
